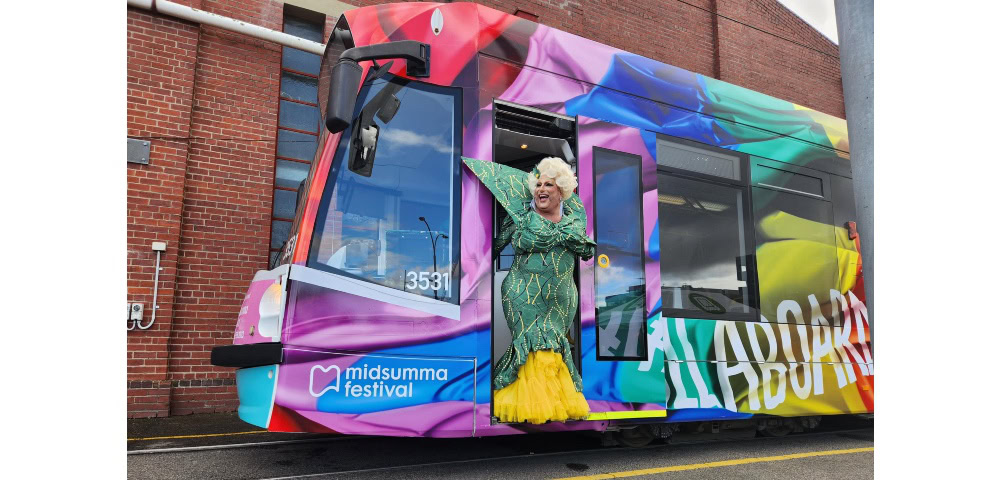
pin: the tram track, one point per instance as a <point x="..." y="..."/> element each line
<point x="453" y="462"/>
<point x="545" y="455"/>
<point x="227" y="446"/>
<point x="848" y="432"/>
<point x="654" y="446"/>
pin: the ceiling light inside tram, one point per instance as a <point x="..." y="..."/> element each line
<point x="671" y="199"/>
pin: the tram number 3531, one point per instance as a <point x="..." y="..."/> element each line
<point x="428" y="281"/>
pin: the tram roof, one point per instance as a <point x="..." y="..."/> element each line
<point x="468" y="29"/>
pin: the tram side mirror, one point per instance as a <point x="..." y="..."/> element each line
<point x="344" y="80"/>
<point x="346" y="75"/>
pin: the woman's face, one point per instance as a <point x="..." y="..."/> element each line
<point x="547" y="194"/>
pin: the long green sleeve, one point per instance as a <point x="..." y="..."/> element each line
<point x="507" y="184"/>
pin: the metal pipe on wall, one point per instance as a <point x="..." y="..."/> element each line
<point x="159" y="248"/>
<point x="156" y="290"/>
<point x="207" y="18"/>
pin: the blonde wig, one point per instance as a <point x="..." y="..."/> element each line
<point x="554" y="167"/>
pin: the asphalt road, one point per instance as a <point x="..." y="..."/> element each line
<point x="842" y="451"/>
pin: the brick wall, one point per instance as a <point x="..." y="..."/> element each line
<point x="207" y="100"/>
<point x="227" y="205"/>
<point x="161" y="60"/>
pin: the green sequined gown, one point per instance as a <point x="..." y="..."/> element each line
<point x="539" y="295"/>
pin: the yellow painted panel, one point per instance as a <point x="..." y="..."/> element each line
<point x="627" y="414"/>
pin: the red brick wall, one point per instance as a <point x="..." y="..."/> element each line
<point x="207" y="100"/>
<point x="227" y="206"/>
<point x="161" y="59"/>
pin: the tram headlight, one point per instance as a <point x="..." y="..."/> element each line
<point x="270" y="311"/>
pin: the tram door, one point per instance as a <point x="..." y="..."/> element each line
<point x="622" y="340"/>
<point x="522" y="137"/>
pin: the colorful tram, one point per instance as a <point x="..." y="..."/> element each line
<point x="726" y="284"/>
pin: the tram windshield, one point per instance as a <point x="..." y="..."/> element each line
<point x="398" y="226"/>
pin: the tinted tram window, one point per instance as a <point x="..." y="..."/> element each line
<point x="619" y="279"/>
<point x="703" y="264"/>
<point x="797" y="255"/>
<point x="398" y="227"/>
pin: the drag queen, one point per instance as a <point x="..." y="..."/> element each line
<point x="536" y="380"/>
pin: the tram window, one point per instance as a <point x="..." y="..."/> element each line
<point x="704" y="244"/>
<point x="797" y="254"/>
<point x="398" y="227"/>
<point x="620" y="283"/>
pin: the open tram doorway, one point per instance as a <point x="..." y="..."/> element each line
<point x="522" y="137"/>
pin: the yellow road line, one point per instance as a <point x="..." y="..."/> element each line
<point x="196" y="436"/>
<point x="723" y="463"/>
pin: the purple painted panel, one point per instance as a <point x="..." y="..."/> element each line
<point x="325" y="318"/>
<point x="442" y="420"/>
<point x="555" y="51"/>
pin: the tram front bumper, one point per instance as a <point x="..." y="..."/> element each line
<point x="245" y="356"/>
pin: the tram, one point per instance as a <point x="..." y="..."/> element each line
<point x="726" y="284"/>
